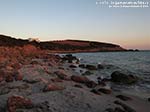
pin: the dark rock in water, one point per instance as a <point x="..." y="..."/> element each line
<point x="82" y="65"/>
<point x="126" y="108"/>
<point x="105" y="91"/>
<point x="87" y="73"/>
<point x="69" y="58"/>
<point x="91" y="67"/>
<point x="99" y="66"/>
<point x="120" y="77"/>
<point x="124" y="98"/>
<point x="95" y="92"/>
<point x="78" y="86"/>
<point x="80" y="79"/>
<point x="15" y="102"/>
<point x="73" y="66"/>
<point x="91" y="84"/>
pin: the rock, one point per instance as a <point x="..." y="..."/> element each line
<point x="101" y="83"/>
<point x="73" y="66"/>
<point x="91" y="67"/>
<point x="87" y="73"/>
<point x="78" y="86"/>
<point x="82" y="66"/>
<point x="124" y="98"/>
<point x="80" y="79"/>
<point x="52" y="87"/>
<point x="56" y="80"/>
<point x="126" y="108"/>
<point x="105" y="91"/>
<point x="18" y="77"/>
<point x="62" y="75"/>
<point x="90" y="84"/>
<point x="95" y="91"/>
<point x="9" y="78"/>
<point x="99" y="66"/>
<point x="15" y="102"/>
<point x="69" y="58"/>
<point x="120" y="77"/>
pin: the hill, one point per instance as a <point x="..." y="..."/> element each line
<point x="62" y="45"/>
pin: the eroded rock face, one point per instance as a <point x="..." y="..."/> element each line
<point x="120" y="77"/>
<point x="80" y="79"/>
<point x="15" y="102"/>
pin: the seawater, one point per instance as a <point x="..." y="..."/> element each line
<point x="137" y="63"/>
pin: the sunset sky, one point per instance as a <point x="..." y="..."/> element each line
<point x="75" y="19"/>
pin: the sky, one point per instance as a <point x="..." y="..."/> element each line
<point x="76" y="19"/>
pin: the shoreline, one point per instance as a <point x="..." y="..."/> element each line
<point x="48" y="83"/>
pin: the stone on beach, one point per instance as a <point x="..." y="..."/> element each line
<point x="80" y="79"/>
<point x="105" y="91"/>
<point x="62" y="75"/>
<point x="52" y="87"/>
<point x="15" y="102"/>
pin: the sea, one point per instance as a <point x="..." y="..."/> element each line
<point x="136" y="63"/>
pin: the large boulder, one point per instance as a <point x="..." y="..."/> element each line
<point x="119" y="77"/>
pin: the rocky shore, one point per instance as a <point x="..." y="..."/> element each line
<point x="32" y="80"/>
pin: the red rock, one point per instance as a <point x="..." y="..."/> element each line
<point x="52" y="87"/>
<point x="80" y="79"/>
<point x="62" y="75"/>
<point x="15" y="102"/>
<point x="18" y="77"/>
